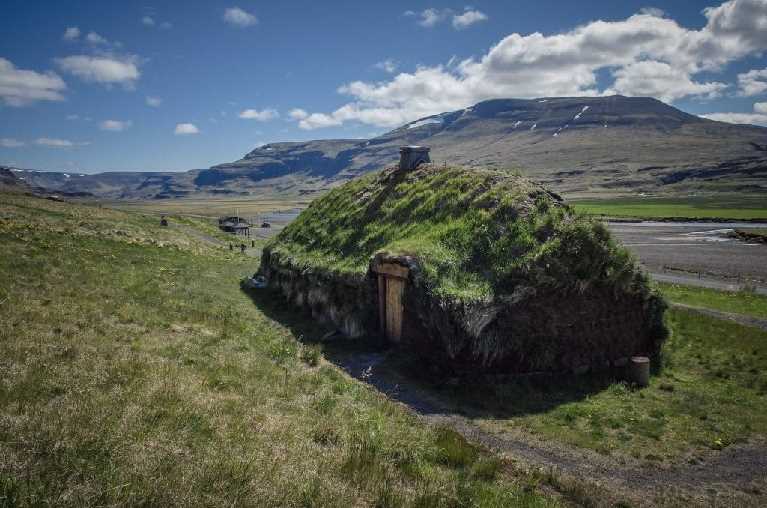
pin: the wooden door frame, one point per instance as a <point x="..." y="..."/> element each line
<point x="386" y="271"/>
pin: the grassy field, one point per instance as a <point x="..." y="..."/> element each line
<point x="735" y="208"/>
<point x="211" y="207"/>
<point x="710" y="393"/>
<point x="133" y="371"/>
<point x="740" y="302"/>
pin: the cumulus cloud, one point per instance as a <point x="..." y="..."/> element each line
<point x="11" y="143"/>
<point x="239" y="17"/>
<point x="468" y="18"/>
<point x="106" y="69"/>
<point x="758" y="117"/>
<point x="148" y="21"/>
<point x="645" y="54"/>
<point x="154" y="102"/>
<point x="115" y="125"/>
<point x="387" y="65"/>
<point x="660" y="80"/>
<point x="753" y="82"/>
<point x="740" y="118"/>
<point x="58" y="143"/>
<point x="652" y="11"/>
<point x="71" y="33"/>
<point x="20" y="87"/>
<point x="186" y="128"/>
<point x="261" y="116"/>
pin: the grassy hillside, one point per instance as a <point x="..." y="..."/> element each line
<point x="133" y="371"/>
<point x="477" y="233"/>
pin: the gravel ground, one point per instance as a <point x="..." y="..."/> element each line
<point x="696" y="253"/>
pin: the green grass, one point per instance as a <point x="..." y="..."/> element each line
<point x="476" y="233"/>
<point x="710" y="393"/>
<point x="211" y="207"/>
<point x="735" y="208"/>
<point x="737" y="302"/>
<point x="133" y="371"/>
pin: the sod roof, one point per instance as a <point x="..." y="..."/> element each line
<point x="478" y="235"/>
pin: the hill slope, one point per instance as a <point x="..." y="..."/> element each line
<point x="583" y="144"/>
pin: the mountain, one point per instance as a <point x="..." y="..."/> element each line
<point x="574" y="145"/>
<point x="584" y="144"/>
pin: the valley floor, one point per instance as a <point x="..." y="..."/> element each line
<point x="135" y="371"/>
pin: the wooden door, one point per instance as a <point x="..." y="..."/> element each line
<point x="391" y="288"/>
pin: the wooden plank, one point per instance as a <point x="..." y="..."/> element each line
<point x="392" y="270"/>
<point x="382" y="302"/>
<point x="394" y="290"/>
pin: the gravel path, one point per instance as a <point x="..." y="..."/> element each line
<point x="735" y="476"/>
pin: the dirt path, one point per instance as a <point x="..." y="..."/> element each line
<point x="728" y="316"/>
<point x="735" y="476"/>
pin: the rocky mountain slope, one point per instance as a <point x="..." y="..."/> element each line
<point x="575" y="145"/>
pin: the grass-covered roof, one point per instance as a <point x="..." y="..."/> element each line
<point x="477" y="234"/>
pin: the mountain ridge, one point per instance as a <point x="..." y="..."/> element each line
<point x="573" y="144"/>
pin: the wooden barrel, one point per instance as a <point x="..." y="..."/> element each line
<point x="639" y="370"/>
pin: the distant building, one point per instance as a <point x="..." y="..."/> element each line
<point x="235" y="225"/>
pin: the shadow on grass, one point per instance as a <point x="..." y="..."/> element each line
<point x="407" y="379"/>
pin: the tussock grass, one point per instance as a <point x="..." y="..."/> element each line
<point x="134" y="372"/>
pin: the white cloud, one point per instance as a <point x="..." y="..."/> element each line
<point x="115" y="125"/>
<point x="741" y="118"/>
<point x="261" y="116"/>
<point x="58" y="143"/>
<point x="430" y="17"/>
<point x="95" y="38"/>
<point x="148" y="21"/>
<point x="102" y="69"/>
<point x="73" y="116"/>
<point x="154" y="102"/>
<point x="660" y="80"/>
<point x="753" y="82"/>
<point x="645" y="54"/>
<point x="387" y="65"/>
<point x="11" y="143"/>
<point x="298" y="114"/>
<point x="71" y="33"/>
<point x="19" y="87"/>
<point x="758" y="117"/>
<point x="239" y="17"/>
<point x="468" y="18"/>
<point x="166" y="25"/>
<point x="320" y="120"/>
<point x="652" y="11"/>
<point x="186" y="128"/>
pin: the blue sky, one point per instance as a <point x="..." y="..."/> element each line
<point x="174" y="85"/>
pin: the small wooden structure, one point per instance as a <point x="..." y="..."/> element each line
<point x="391" y="288"/>
<point x="236" y="225"/>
